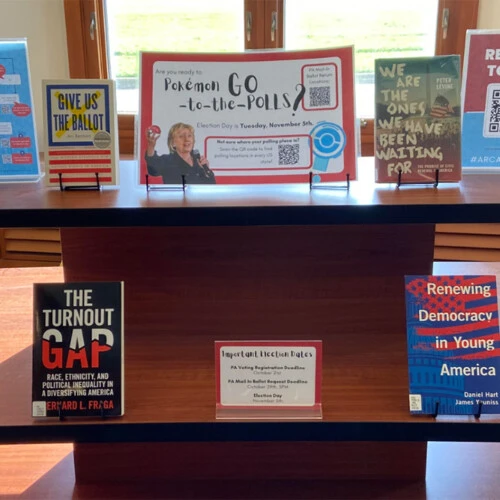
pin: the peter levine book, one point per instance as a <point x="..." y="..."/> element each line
<point x="78" y="346"/>
<point x="453" y="344"/>
<point x="417" y="119"/>
<point x="81" y="132"/>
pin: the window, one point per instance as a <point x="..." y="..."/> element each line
<point x="152" y="25"/>
<point x="387" y="28"/>
<point x="258" y="24"/>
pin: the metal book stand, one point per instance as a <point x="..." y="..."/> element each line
<point x="477" y="414"/>
<point x="150" y="187"/>
<point x="313" y="185"/>
<point x="435" y="183"/>
<point x="96" y="187"/>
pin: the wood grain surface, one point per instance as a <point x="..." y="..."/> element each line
<point x="187" y="287"/>
<point x="454" y="470"/>
<point x="473" y="189"/>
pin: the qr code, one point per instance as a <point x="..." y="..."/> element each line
<point x="491" y="126"/>
<point x="495" y="111"/>
<point x="415" y="402"/>
<point x="288" y="154"/>
<point x="39" y="409"/>
<point x="4" y="143"/>
<point x="319" y="97"/>
<point x="6" y="159"/>
<point x="5" y="109"/>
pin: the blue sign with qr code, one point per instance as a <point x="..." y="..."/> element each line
<point x="18" y="145"/>
<point x="480" y="140"/>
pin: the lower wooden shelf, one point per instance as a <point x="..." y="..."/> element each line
<point x="185" y="288"/>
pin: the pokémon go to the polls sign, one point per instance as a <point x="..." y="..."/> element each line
<point x="268" y="117"/>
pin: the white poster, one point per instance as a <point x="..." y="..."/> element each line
<point x="267" y="117"/>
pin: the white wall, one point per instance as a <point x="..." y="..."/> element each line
<point x="489" y="14"/>
<point x="42" y="23"/>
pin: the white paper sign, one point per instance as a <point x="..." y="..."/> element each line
<point x="268" y="374"/>
<point x="255" y="118"/>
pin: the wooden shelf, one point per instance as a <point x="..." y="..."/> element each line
<point x="474" y="199"/>
<point x="252" y="262"/>
<point x="170" y="375"/>
<point x="170" y="397"/>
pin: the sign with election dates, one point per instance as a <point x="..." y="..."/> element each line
<point x="265" y="377"/>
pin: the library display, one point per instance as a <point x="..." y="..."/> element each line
<point x="258" y="262"/>
<point x="81" y="132"/>
<point x="235" y="258"/>
<point x="417" y="119"/>
<point x="453" y="344"/>
<point x="481" y="101"/>
<point x="18" y="142"/>
<point x="78" y="348"/>
<point x="264" y="117"/>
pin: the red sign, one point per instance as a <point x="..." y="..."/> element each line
<point x="20" y="142"/>
<point x="19" y="159"/>
<point x="21" y="109"/>
<point x="482" y="68"/>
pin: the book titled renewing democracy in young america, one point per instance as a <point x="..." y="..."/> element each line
<point x="453" y="344"/>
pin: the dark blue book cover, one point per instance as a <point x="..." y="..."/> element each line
<point x="453" y="344"/>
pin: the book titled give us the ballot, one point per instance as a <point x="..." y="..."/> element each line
<point x="453" y="344"/>
<point x="81" y="132"/>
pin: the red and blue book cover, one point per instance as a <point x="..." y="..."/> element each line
<point x="453" y="344"/>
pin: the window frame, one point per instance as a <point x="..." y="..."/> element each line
<point x="88" y="56"/>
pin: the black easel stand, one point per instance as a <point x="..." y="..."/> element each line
<point x="150" y="187"/>
<point x="477" y="415"/>
<point x="435" y="183"/>
<point x="62" y="418"/>
<point x="436" y="410"/>
<point x="319" y="186"/>
<point x="97" y="186"/>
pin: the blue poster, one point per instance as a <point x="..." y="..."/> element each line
<point x="18" y="147"/>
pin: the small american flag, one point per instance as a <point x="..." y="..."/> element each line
<point x="441" y="107"/>
<point x="80" y="166"/>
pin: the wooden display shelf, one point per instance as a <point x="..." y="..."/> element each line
<point x="255" y="262"/>
<point x="475" y="199"/>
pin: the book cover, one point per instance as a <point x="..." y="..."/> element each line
<point x="18" y="143"/>
<point x="481" y="101"/>
<point x="78" y="346"/>
<point x="417" y="119"/>
<point x="453" y="344"/>
<point x="81" y="132"/>
<point x="255" y="117"/>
